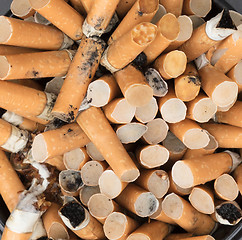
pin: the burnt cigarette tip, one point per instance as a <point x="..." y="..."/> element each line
<point x="2" y="111"/>
<point x="140" y="61"/>
<point x="226" y="21"/>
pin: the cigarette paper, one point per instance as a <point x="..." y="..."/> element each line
<point x="196" y="21"/>
<point x="171" y="65"/>
<point x="93" y="152"/>
<point x="76" y="158"/>
<point x="57" y="142"/>
<point x="124" y="6"/>
<point x="11" y="50"/>
<point x="202" y="199"/>
<point x="98" y="17"/>
<point x="156" y="132"/>
<point x="154" y="181"/>
<point x="94" y="123"/>
<point x="134" y="87"/>
<point x="101" y="91"/>
<point x="21" y="8"/>
<point x="152" y="156"/>
<point x="138" y="200"/>
<point x="125" y="49"/>
<point x="167" y="31"/>
<point x="151" y="231"/>
<point x="35" y="65"/>
<point x="186" y="216"/>
<point x="237" y="174"/>
<point x="173" y="6"/>
<point x="118" y="226"/>
<point x="141" y="11"/>
<point x="57" y="161"/>
<point x="86" y="192"/>
<point x="80" y="74"/>
<point x="62" y="15"/>
<point x="196" y="7"/>
<point x="54" y="226"/>
<point x="235" y="74"/>
<point x="100" y="206"/>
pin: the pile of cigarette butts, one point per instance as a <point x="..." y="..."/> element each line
<point x="120" y="119"/>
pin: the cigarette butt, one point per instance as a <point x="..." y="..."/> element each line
<point x="57" y="161"/>
<point x="171" y="65"/>
<point x="31" y="35"/>
<point x="204" y="237"/>
<point x="175" y="147"/>
<point x="152" y="156"/>
<point x="159" y="14"/>
<point x="235" y="74"/>
<point x="119" y="111"/>
<point x="172" y="109"/>
<point x="78" y="6"/>
<point x="39" y="231"/>
<point x="100" y="207"/>
<point x="141" y="11"/>
<point x="227" y="136"/>
<point x="8" y="234"/>
<point x="148" y="112"/>
<point x="98" y="17"/>
<point x="11" y="50"/>
<point x="134" y="87"/>
<point x="226" y="108"/>
<point x="12" y="186"/>
<point x="101" y="91"/>
<point x="168" y="29"/>
<point x="202" y="199"/>
<point x="186" y="216"/>
<point x="122" y="224"/>
<point x="86" y="192"/>
<point x="138" y="200"/>
<point x="186" y="30"/>
<point x="75" y="159"/>
<point x="94" y="123"/>
<point x="124" y="6"/>
<point x="196" y="21"/>
<point x="54" y="226"/>
<point x="62" y="15"/>
<point x="125" y="49"/>
<point x="201" y="109"/>
<point x="207" y="35"/>
<point x="57" y="142"/>
<point x="151" y="231"/>
<point x="226" y="187"/>
<point x="237" y="174"/>
<point x="87" y="4"/>
<point x="35" y="65"/>
<point x="190" y="133"/>
<point x="22" y="8"/>
<point x="201" y="170"/>
<point x="93" y="152"/>
<point x="187" y="86"/>
<point x="80" y="74"/>
<point x="110" y="184"/>
<point x="156" y="132"/>
<point x="91" y="171"/>
<point x="178" y="236"/>
<point x="201" y="9"/>
<point x="154" y="181"/>
<point x="174" y="6"/>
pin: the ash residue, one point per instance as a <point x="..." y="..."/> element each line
<point x="140" y="61"/>
<point x="2" y="111"/>
<point x="195" y="80"/>
<point x="226" y="21"/>
<point x="229" y="212"/>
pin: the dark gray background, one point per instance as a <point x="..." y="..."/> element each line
<point x="4" y="6"/>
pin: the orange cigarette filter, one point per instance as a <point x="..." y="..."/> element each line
<point x="87" y="4"/>
<point x="168" y="29"/>
<point x="173" y="6"/>
<point x="94" y="124"/>
<point x="62" y="15"/>
<point x="57" y="142"/>
<point x="204" y="237"/>
<point x="35" y="65"/>
<point x="11" y="50"/>
<point x="237" y="174"/>
<point x="78" y="6"/>
<point x="80" y="74"/>
<point x="195" y="7"/>
<point x="125" y="49"/>
<point x="178" y="236"/>
<point x="235" y="74"/>
<point x="141" y="11"/>
<point x="29" y="34"/>
<point x="124" y="6"/>
<point x="134" y="86"/>
<point x="98" y="17"/>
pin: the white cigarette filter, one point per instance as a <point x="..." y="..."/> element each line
<point x="39" y="231"/>
<point x="86" y="192"/>
<point x="235" y="74"/>
<point x="196" y="21"/>
<point x="93" y="152"/>
<point x="237" y="174"/>
<point x="21" y="8"/>
<point x="197" y="7"/>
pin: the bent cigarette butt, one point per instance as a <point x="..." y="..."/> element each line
<point x="86" y="192"/>
<point x="93" y="152"/>
<point x="138" y="200"/>
<point x="171" y="65"/>
<point x="168" y="29"/>
<point x="110" y="184"/>
<point x="76" y="158"/>
<point x="202" y="199"/>
<point x="134" y="87"/>
<point x="174" y="6"/>
<point x="124" y="6"/>
<point x="141" y="11"/>
<point x="195" y="7"/>
<point x="57" y="162"/>
<point x="154" y="181"/>
<point x="152" y="156"/>
<point x="151" y="231"/>
<point x="80" y="74"/>
<point x="125" y="49"/>
<point x="156" y="132"/>
<point x="226" y="187"/>
<point x="94" y="123"/>
<point x="237" y="174"/>
<point x="21" y="8"/>
<point x="11" y="50"/>
<point x="119" y="226"/>
<point x="119" y="111"/>
<point x="235" y="74"/>
<point x="101" y="91"/>
<point x="186" y="216"/>
<point x="54" y="226"/>
<point x="57" y="142"/>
